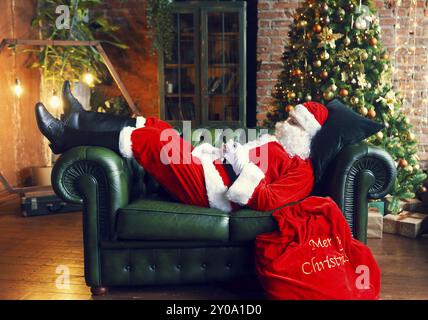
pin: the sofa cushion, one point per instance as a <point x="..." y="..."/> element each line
<point x="147" y="219"/>
<point x="246" y="224"/>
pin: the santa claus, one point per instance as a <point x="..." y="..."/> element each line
<point x="269" y="172"/>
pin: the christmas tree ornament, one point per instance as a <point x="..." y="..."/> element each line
<point x="324" y="55"/>
<point x="379" y="135"/>
<point x="308" y="97"/>
<point x="373" y="41"/>
<point x="317" y="63"/>
<point x="422" y="189"/>
<point x="328" y="95"/>
<point x="361" y="24"/>
<point x="385" y="56"/>
<point x="291" y="95"/>
<point x="324" y="7"/>
<point x="354" y="100"/>
<point x="403" y="163"/>
<point x="346" y="41"/>
<point x="327" y="37"/>
<point x="333" y="87"/>
<point x="317" y="28"/>
<point x="324" y="74"/>
<point x="409" y="168"/>
<point x="407" y="120"/>
<point x="364" y="55"/>
<point x="411" y="136"/>
<point x="371" y="114"/>
<point x="416" y="166"/>
<point x="363" y="110"/>
<point x="343" y="92"/>
<point x="289" y="108"/>
<point x="297" y="72"/>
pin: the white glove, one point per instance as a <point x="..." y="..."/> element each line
<point x="206" y="152"/>
<point x="236" y="154"/>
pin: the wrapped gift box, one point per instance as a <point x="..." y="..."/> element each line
<point x="375" y="224"/>
<point x="407" y="224"/>
<point x="379" y="205"/>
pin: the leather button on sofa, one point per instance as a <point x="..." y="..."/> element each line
<point x="134" y="234"/>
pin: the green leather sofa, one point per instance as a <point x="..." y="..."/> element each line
<point x="136" y="235"/>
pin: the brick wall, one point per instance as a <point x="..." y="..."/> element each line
<point x="137" y="66"/>
<point x="274" y="22"/>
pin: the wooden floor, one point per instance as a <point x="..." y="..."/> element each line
<point x="31" y="250"/>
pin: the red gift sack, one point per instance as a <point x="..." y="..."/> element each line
<point x="313" y="255"/>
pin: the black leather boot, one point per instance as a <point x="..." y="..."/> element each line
<point x="78" y="118"/>
<point x="63" y="138"/>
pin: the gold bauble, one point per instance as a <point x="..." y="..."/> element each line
<point x="364" y="111"/>
<point x="403" y="163"/>
<point x="324" y="74"/>
<point x="422" y="189"/>
<point x="343" y="92"/>
<point x="346" y="41"/>
<point x="328" y="95"/>
<point x="407" y="120"/>
<point x="364" y="55"/>
<point x="317" y="63"/>
<point x="379" y="135"/>
<point x="385" y="56"/>
<point x="371" y="114"/>
<point x="289" y="108"/>
<point x="291" y="95"/>
<point x="317" y="28"/>
<point x="411" y="136"/>
<point x="354" y="100"/>
<point x="324" y="55"/>
<point x="409" y="168"/>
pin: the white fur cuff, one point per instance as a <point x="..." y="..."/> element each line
<point x="141" y="122"/>
<point x="243" y="187"/>
<point x="125" y="142"/>
<point x="306" y="119"/>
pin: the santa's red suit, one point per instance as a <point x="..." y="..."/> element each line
<point x="197" y="176"/>
<point x="272" y="171"/>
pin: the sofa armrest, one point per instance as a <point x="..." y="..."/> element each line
<point x="358" y="173"/>
<point x="100" y="179"/>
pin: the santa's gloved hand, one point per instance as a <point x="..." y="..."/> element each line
<point x="236" y="154"/>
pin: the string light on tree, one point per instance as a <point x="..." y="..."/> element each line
<point x="55" y="101"/>
<point x="89" y="79"/>
<point x="18" y="90"/>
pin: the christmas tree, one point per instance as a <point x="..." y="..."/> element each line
<point x="335" y="52"/>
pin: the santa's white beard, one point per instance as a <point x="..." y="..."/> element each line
<point x="295" y="140"/>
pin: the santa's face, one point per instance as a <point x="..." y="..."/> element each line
<point x="295" y="140"/>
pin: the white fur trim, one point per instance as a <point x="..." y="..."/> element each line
<point x="306" y="119"/>
<point x="262" y="140"/>
<point x="125" y="143"/>
<point x="206" y="151"/>
<point x="216" y="190"/>
<point x="141" y="122"/>
<point x="243" y="187"/>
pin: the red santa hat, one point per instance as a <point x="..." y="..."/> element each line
<point x="311" y="116"/>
